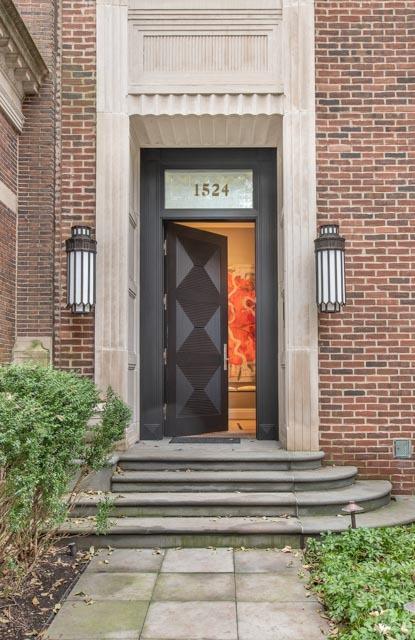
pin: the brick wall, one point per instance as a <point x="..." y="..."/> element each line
<point x="8" y="175"/>
<point x="74" y="335"/>
<point x="8" y="154"/>
<point x="36" y="183"/>
<point x="57" y="175"/>
<point x="365" y="59"/>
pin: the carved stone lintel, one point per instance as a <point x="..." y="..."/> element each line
<point x="22" y="68"/>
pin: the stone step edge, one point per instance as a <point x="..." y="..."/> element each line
<point x="375" y="489"/>
<point x="400" y="511"/>
<point x="220" y="456"/>
<point x="301" y="475"/>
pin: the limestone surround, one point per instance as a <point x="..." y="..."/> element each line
<point x="142" y="100"/>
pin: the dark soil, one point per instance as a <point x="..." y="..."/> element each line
<point x="26" y="610"/>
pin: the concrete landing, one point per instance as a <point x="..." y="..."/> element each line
<point x="191" y="594"/>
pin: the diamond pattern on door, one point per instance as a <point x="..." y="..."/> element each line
<point x="198" y="358"/>
<point x="184" y="326"/>
<point x="183" y="262"/>
<point x="198" y="296"/>
<point x="196" y="330"/>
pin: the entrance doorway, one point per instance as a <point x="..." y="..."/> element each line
<point x="208" y="298"/>
<point x="210" y="328"/>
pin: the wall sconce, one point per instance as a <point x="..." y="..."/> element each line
<point x="330" y="275"/>
<point x="81" y="268"/>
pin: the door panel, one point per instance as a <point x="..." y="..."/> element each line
<point x="196" y="331"/>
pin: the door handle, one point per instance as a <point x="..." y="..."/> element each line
<point x="225" y="357"/>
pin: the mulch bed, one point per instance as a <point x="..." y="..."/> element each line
<point x="25" y="611"/>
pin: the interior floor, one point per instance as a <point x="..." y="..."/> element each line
<point x="236" y="429"/>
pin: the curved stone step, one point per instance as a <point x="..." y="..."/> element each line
<point x="220" y="459"/>
<point x="369" y="494"/>
<point x="229" y="532"/>
<point x="193" y="481"/>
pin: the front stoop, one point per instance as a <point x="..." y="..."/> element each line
<point x="194" y="496"/>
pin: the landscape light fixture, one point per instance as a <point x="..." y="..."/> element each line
<point x="81" y="250"/>
<point x="330" y="275"/>
<point x="352" y="508"/>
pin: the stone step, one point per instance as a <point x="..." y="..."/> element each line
<point x="245" y="481"/>
<point x="219" y="459"/>
<point x="147" y="532"/>
<point x="369" y="494"/>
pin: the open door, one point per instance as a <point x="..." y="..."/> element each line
<point x="196" y="331"/>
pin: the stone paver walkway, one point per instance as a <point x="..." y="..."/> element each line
<point x="191" y="594"/>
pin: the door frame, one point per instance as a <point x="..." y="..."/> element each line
<point x="153" y="216"/>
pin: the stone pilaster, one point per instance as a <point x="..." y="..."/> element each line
<point x="112" y="215"/>
<point x="300" y="431"/>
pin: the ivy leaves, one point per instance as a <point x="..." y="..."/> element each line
<point x="365" y="577"/>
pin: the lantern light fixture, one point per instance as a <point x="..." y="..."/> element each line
<point x="81" y="250"/>
<point x="330" y="273"/>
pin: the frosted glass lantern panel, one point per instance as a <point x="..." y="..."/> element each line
<point x="208" y="189"/>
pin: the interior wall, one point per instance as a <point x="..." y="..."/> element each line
<point x="241" y="238"/>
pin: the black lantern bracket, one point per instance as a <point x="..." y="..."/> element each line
<point x="81" y="252"/>
<point x="330" y="269"/>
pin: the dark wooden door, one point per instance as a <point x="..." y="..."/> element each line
<point x="196" y="331"/>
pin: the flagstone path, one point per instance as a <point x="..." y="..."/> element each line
<point x="191" y="594"/>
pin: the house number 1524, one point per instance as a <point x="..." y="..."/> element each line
<point x="206" y="189"/>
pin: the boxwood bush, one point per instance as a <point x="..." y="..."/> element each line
<point x="44" y="414"/>
<point x="364" y="577"/>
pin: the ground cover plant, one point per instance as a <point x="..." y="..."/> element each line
<point x="44" y="416"/>
<point x="365" y="577"/>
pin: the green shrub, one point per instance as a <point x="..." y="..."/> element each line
<point x="43" y="423"/>
<point x="102" y="518"/>
<point x="115" y="418"/>
<point x="365" y="576"/>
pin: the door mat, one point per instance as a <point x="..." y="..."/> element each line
<point x="198" y="440"/>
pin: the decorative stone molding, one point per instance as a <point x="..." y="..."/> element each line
<point x="205" y="47"/>
<point x="207" y="131"/>
<point x="22" y="68"/>
<point x="206" y="120"/>
<point x="206" y="104"/>
<point x="8" y="197"/>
